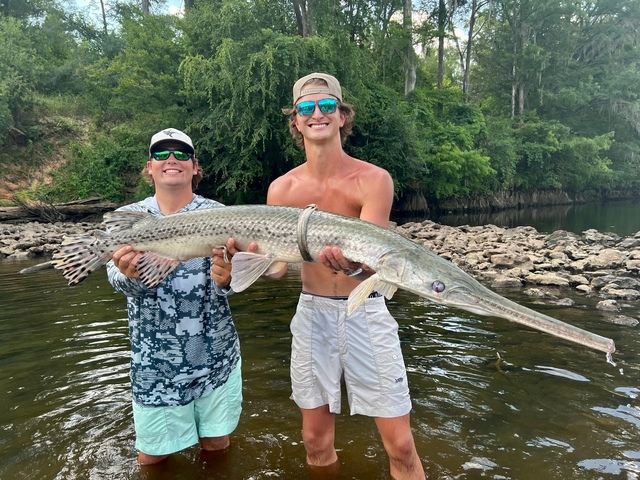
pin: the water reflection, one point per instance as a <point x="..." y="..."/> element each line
<point x="491" y="399"/>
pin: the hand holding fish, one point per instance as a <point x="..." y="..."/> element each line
<point x="332" y="257"/>
<point x="221" y="264"/>
<point x="126" y="259"/>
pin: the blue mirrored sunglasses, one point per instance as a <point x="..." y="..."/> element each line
<point x="326" y="105"/>
<point x="178" y="155"/>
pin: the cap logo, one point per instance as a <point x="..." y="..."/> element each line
<point x="169" y="132"/>
<point x="171" y="135"/>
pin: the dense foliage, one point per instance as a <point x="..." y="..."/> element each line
<point x="509" y="95"/>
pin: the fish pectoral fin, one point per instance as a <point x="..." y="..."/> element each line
<point x="361" y="292"/>
<point x="154" y="268"/>
<point x="275" y="268"/>
<point x="247" y="267"/>
<point x="386" y="289"/>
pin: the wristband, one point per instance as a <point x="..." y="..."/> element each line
<point x="222" y="291"/>
<point x="354" y="273"/>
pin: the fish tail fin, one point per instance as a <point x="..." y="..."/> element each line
<point x="79" y="255"/>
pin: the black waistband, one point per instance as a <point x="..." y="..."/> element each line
<point x="373" y="294"/>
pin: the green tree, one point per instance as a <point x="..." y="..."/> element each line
<point x="457" y="163"/>
<point x="24" y="9"/>
<point x="140" y="83"/>
<point x="573" y="68"/>
<point x="540" y="95"/>
<point x="20" y="68"/>
<point x="235" y="100"/>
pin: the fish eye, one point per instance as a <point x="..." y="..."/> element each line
<point x="437" y="286"/>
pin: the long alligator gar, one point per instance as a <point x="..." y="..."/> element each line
<point x="281" y="234"/>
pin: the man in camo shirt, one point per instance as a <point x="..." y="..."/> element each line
<point x="185" y="354"/>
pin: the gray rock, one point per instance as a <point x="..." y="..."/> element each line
<point x="607" y="258"/>
<point x="503" y="281"/>
<point x="539" y="293"/>
<point x="594" y="236"/>
<point x="565" y="302"/>
<point x="547" y="279"/>
<point x="608" y="306"/>
<point x="623" y="320"/>
<point x="610" y="291"/>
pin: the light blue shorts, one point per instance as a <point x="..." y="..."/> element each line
<point x="165" y="430"/>
<point x="363" y="348"/>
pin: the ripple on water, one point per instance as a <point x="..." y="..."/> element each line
<point x="491" y="399"/>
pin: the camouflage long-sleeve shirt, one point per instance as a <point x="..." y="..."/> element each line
<point x="184" y="343"/>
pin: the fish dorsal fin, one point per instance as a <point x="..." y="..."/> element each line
<point x="247" y="267"/>
<point x="154" y="268"/>
<point x="361" y="292"/>
<point x="123" y="220"/>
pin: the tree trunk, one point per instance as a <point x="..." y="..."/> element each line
<point x="521" y="95"/>
<point x="409" y="54"/>
<point x="43" y="212"/>
<point x="104" y="16"/>
<point x="513" y="79"/>
<point x="442" y="15"/>
<point x="467" y="60"/>
<point x="145" y="7"/>
<point x="304" y="20"/>
<point x="521" y="82"/>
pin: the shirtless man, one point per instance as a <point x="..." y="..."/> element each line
<point x="327" y="344"/>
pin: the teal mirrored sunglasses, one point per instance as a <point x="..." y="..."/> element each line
<point x="178" y="155"/>
<point x="326" y="105"/>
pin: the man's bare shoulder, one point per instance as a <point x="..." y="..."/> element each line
<point x="281" y="188"/>
<point x="368" y="168"/>
<point x="369" y="173"/>
<point x="295" y="174"/>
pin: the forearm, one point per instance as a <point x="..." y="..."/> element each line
<point x="131" y="287"/>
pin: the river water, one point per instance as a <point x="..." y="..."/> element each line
<point x="549" y="410"/>
<point x="621" y="217"/>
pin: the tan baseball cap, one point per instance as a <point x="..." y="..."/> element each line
<point x="332" y="87"/>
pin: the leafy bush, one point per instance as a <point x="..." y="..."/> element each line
<point x="109" y="167"/>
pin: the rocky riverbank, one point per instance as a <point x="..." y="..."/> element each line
<point x="594" y="263"/>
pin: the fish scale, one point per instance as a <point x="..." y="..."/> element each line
<point x="397" y="261"/>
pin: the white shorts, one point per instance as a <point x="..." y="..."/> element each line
<point x="364" y="347"/>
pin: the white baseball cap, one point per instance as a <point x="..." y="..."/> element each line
<point x="171" y="135"/>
